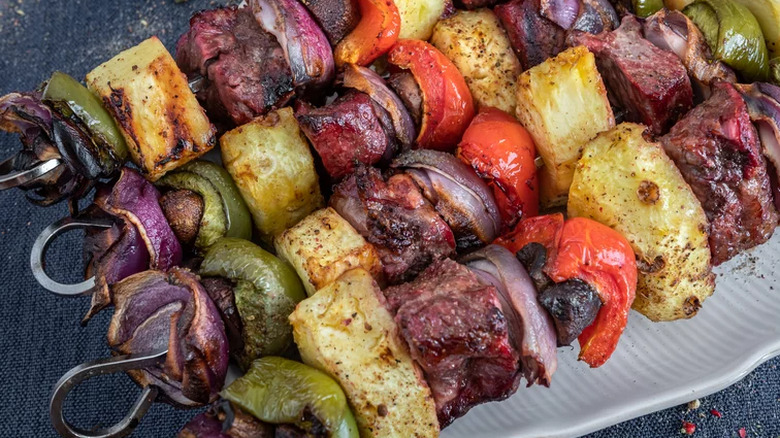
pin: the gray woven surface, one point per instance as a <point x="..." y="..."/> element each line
<point x="40" y="336"/>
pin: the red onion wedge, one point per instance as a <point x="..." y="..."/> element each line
<point x="305" y="46"/>
<point x="459" y="195"/>
<point x="561" y="12"/>
<point x="533" y="332"/>
<point x="366" y="80"/>
<point x="763" y="103"/>
<point x="156" y="311"/>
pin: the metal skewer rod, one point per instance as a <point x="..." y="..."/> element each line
<point x="10" y="178"/>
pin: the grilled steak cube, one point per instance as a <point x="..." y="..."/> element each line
<point x="459" y="335"/>
<point x="718" y="153"/>
<point x="242" y="67"/>
<point x="352" y="129"/>
<point x="650" y="84"/>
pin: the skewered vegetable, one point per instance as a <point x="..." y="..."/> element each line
<point x="585" y="250"/>
<point x="475" y="42"/>
<point x="281" y="391"/>
<point x="265" y="292"/>
<point x="345" y="331"/>
<point x="140" y="239"/>
<point x="160" y="118"/>
<point x="418" y="17"/>
<point x="156" y="311"/>
<point x="733" y="34"/>
<point x="629" y="184"/>
<point x="225" y="420"/>
<point x="323" y="246"/>
<point x="502" y="152"/>
<point x="270" y="163"/>
<point x="224" y="211"/>
<point x="545" y="97"/>
<point x="374" y="35"/>
<point x="447" y="103"/>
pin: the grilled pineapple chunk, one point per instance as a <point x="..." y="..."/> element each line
<point x="563" y="103"/>
<point x="149" y="97"/>
<point x="630" y="184"/>
<point x="346" y="331"/>
<point x="477" y="45"/>
<point x="418" y="17"/>
<point x="270" y="161"/>
<point x="323" y="246"/>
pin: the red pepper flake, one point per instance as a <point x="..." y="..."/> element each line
<point x="716" y="413"/>
<point x="688" y="428"/>
<point x="742" y="432"/>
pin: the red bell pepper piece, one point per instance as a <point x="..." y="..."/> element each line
<point x="596" y="254"/>
<point x="447" y="103"/>
<point x="502" y="152"/>
<point x="375" y="34"/>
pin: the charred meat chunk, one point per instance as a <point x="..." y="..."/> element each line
<point x="240" y="68"/>
<point x="337" y="18"/>
<point x="534" y="38"/>
<point x="405" y="86"/>
<point x="394" y="217"/>
<point x="354" y="128"/>
<point x="650" y="84"/>
<point x="717" y="150"/>
<point x="458" y="334"/>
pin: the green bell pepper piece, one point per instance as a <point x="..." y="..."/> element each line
<point x="266" y="292"/>
<point x="733" y="34"/>
<point x="62" y="88"/>
<point x="646" y="8"/>
<point x="239" y="221"/>
<point x="281" y="391"/>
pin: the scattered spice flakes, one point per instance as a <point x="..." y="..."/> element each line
<point x="742" y="432"/>
<point x="688" y="428"/>
<point x="716" y="413"/>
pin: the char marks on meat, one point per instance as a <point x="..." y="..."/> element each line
<point x="650" y="84"/>
<point x="337" y="18"/>
<point x="674" y="32"/>
<point x="394" y="217"/>
<point x="353" y="128"/>
<point x="243" y="66"/>
<point x="459" y="335"/>
<point x="717" y="150"/>
<point x="534" y="38"/>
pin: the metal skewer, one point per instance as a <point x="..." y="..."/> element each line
<point x="38" y="255"/>
<point x="97" y="368"/>
<point x="10" y="178"/>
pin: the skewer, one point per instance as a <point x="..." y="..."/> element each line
<point x="38" y="255"/>
<point x="10" y="178"/>
<point x="101" y="367"/>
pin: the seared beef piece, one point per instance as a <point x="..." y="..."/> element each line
<point x="651" y="84"/>
<point x="242" y="66"/>
<point x="337" y="18"/>
<point x="353" y="128"/>
<point x="393" y="215"/>
<point x="674" y="32"/>
<point x="533" y="37"/>
<point x="405" y="86"/>
<point x="458" y="334"/>
<point x="573" y="305"/>
<point x="717" y="151"/>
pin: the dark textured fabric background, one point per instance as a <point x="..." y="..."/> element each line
<point x="40" y="337"/>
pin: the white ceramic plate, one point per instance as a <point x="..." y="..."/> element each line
<point x="655" y="366"/>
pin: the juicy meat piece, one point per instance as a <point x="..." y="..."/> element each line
<point x="394" y="217"/>
<point x="533" y="37"/>
<point x="717" y="151"/>
<point x="650" y="84"/>
<point x="458" y="334"/>
<point x="352" y="129"/>
<point x="337" y="18"/>
<point x="405" y="86"/>
<point x="242" y="67"/>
